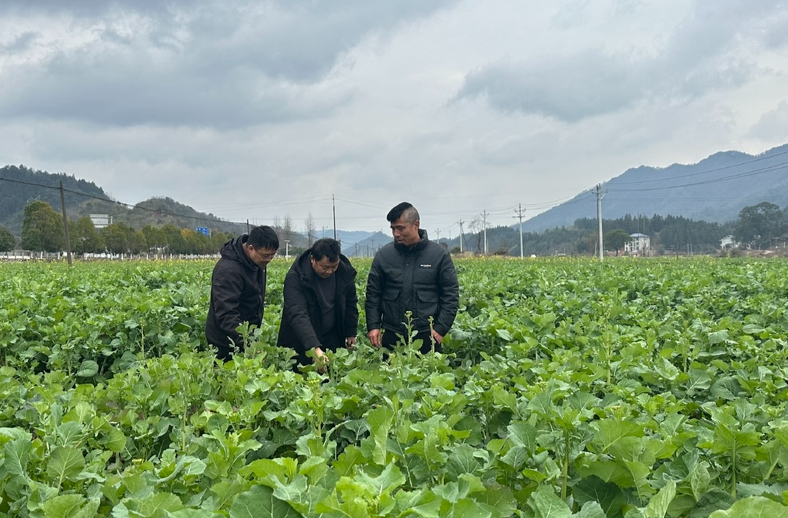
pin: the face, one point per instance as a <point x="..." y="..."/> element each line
<point x="405" y="233"/>
<point x="259" y="257"/>
<point x="324" y="268"/>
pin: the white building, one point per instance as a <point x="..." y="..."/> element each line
<point x="728" y="242"/>
<point x="640" y="244"/>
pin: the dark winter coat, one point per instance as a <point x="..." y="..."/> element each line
<point x="420" y="279"/>
<point x="237" y="294"/>
<point x="302" y="316"/>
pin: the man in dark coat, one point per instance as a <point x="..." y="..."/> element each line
<point x="320" y="310"/>
<point x="411" y="274"/>
<point x="238" y="288"/>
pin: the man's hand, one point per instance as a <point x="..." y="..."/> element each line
<point x="438" y="338"/>
<point x="374" y="337"/>
<point x="321" y="360"/>
<point x="350" y="342"/>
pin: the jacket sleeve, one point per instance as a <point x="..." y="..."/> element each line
<point x="374" y="295"/>
<point x="449" y="294"/>
<point x="228" y="285"/>
<point x="351" y="309"/>
<point x="296" y="313"/>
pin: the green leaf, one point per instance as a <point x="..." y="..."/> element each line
<point x="753" y="507"/>
<point x="609" y="431"/>
<point x="523" y="434"/>
<point x="65" y="463"/>
<point x="658" y="506"/>
<point x="259" y="502"/>
<point x="390" y="479"/>
<point x="17" y="454"/>
<point x="193" y="513"/>
<point x="63" y="506"/>
<point x="379" y="421"/>
<point x="115" y="441"/>
<point x="546" y="504"/>
<point x="88" y="369"/>
<point x="500" y="499"/>
<point x="608" y="495"/>
<point x="590" y="510"/>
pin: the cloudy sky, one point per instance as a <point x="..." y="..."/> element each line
<point x="261" y="109"/>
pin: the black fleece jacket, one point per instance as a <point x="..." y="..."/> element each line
<point x="237" y="294"/>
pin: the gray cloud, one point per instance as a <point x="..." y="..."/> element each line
<point x="772" y="124"/>
<point x="207" y="63"/>
<point x="698" y="58"/>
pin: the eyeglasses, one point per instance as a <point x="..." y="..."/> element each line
<point x="266" y="257"/>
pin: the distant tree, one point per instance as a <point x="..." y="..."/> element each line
<point x="287" y="228"/>
<point x="116" y="237"/>
<point x="84" y="237"/>
<point x="475" y="226"/>
<point x="758" y="224"/>
<point x="218" y="239"/>
<point x="175" y="243"/>
<point x="7" y="240"/>
<point x="616" y="239"/>
<point x="136" y="242"/>
<point x="311" y="230"/>
<point x="42" y="228"/>
<point x="155" y="238"/>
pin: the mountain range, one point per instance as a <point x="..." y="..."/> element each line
<point x="714" y="190"/>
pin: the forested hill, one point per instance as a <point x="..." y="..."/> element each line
<point x="715" y="190"/>
<point x="25" y="186"/>
<point x="21" y="185"/>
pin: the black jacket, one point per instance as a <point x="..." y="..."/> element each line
<point x="302" y="314"/>
<point x="237" y="294"/>
<point x="420" y="279"/>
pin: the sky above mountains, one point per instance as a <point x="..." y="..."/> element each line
<point x="258" y="110"/>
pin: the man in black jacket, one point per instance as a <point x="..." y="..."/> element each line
<point x="320" y="309"/>
<point x="411" y="274"/>
<point x="238" y="288"/>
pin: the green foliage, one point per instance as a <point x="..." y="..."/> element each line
<point x="759" y="224"/>
<point x="42" y="228"/>
<point x="7" y="240"/>
<point x="84" y="237"/>
<point x="616" y="239"/>
<point x="576" y="389"/>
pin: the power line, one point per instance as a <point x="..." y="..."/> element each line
<point x="744" y="174"/>
<point x="757" y="159"/>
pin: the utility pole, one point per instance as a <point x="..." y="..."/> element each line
<point x="484" y="228"/>
<point x="461" y="222"/>
<point x="287" y="249"/>
<point x="334" y="207"/>
<point x="520" y="211"/>
<point x="599" y="196"/>
<point x="65" y="223"/>
<point x="438" y="233"/>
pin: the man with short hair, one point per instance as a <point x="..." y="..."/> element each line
<point x="411" y="274"/>
<point x="320" y="309"/>
<point x="238" y="288"/>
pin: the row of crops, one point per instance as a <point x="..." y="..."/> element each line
<point x="624" y="389"/>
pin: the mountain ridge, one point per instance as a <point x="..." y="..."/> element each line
<point x="714" y="189"/>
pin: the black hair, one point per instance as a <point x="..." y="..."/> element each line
<point x="263" y="237"/>
<point x="326" y="247"/>
<point x="403" y="209"/>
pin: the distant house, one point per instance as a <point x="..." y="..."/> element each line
<point x="728" y="242"/>
<point x="640" y="244"/>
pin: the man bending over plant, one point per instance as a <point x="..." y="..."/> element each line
<point x="238" y="288"/>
